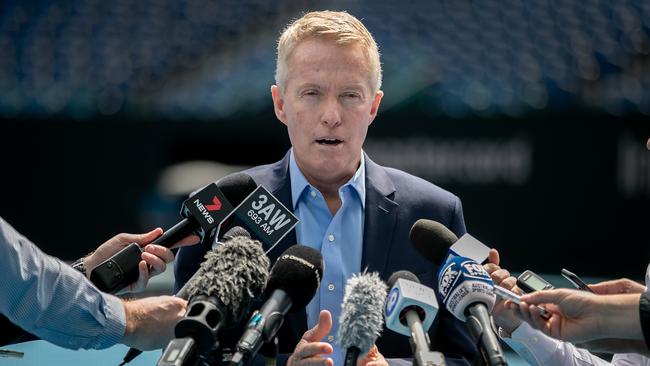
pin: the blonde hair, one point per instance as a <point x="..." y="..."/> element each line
<point x="338" y="26"/>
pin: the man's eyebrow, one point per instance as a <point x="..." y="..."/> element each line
<point x="353" y="86"/>
<point x="309" y="85"/>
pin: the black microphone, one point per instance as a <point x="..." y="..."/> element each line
<point x="233" y="274"/>
<point x="432" y="240"/>
<point x="437" y="243"/>
<point x="183" y="293"/>
<point x="202" y="214"/>
<point x="464" y="286"/>
<point x="294" y="279"/>
<point x="410" y="310"/>
<point x="362" y="317"/>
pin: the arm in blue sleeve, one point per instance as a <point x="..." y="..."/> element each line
<point x="50" y="299"/>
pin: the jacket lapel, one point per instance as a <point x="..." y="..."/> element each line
<point x="380" y="218"/>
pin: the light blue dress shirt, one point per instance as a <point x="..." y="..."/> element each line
<point x="53" y="301"/>
<point x="339" y="238"/>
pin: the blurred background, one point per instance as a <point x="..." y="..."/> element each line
<point x="535" y="113"/>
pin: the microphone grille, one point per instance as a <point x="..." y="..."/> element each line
<point x="235" y="272"/>
<point x="235" y="232"/>
<point x="298" y="271"/>
<point x="362" y="318"/>
<point x="432" y="239"/>
<point x="236" y="187"/>
<point x="406" y="275"/>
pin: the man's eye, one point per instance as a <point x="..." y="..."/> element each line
<point x="310" y="93"/>
<point x="351" y="95"/>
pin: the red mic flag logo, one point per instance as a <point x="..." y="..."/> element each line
<point x="216" y="206"/>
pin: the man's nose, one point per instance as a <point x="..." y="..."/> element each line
<point x="331" y="112"/>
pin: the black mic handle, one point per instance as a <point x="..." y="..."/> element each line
<point x="119" y="270"/>
<point x="479" y="323"/>
<point x="269" y="351"/>
<point x="351" y="356"/>
<point x="177" y="232"/>
<point x="130" y="356"/>
<point x="179" y="352"/>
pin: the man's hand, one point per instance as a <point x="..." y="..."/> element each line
<point x="310" y="350"/>
<point x="150" y="321"/>
<point x="578" y="316"/>
<point x="503" y="317"/>
<point x="620" y="286"/>
<point x="154" y="258"/>
<point x="372" y="358"/>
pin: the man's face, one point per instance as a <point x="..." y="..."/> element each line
<point x="327" y="105"/>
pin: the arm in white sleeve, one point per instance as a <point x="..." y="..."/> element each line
<point x="50" y="299"/>
<point x="538" y="349"/>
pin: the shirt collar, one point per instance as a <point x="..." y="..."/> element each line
<point x="299" y="183"/>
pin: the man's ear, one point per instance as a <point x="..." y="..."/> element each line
<point x="278" y="103"/>
<point x="375" y="105"/>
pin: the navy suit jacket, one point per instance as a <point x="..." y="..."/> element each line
<point x="394" y="201"/>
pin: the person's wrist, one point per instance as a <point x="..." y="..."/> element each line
<point x="82" y="265"/>
<point x="131" y="317"/>
<point x="618" y="316"/>
<point x="90" y="263"/>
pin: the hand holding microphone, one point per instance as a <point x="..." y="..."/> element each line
<point x="153" y="260"/>
<point x="202" y="213"/>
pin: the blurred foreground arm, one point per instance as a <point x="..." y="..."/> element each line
<point x="48" y="298"/>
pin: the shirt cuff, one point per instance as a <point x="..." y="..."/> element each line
<point x="115" y="326"/>
<point x="644" y="315"/>
<point x="531" y="344"/>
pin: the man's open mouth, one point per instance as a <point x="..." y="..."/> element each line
<point x="329" y="141"/>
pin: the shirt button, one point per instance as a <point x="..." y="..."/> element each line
<point x="330" y="287"/>
<point x="313" y="193"/>
<point x="330" y="338"/>
<point x="330" y="237"/>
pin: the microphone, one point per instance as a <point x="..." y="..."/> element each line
<point x="202" y="214"/>
<point x="183" y="293"/>
<point x="232" y="275"/>
<point x="410" y="310"/>
<point x="467" y="291"/>
<point x="435" y="242"/>
<point x="294" y="279"/>
<point x="361" y="315"/>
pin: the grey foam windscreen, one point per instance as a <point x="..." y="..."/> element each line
<point x="235" y="272"/>
<point x="362" y="316"/>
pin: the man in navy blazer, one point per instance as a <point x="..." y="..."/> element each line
<point x="356" y="212"/>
